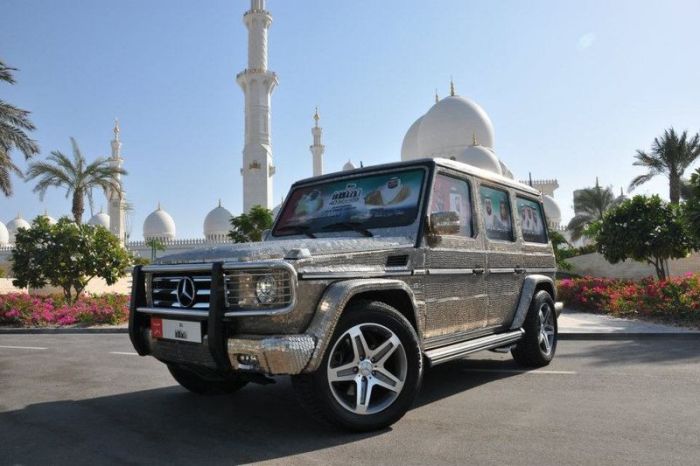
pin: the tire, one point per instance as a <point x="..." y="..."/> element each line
<point x="537" y="347"/>
<point x="195" y="383"/>
<point x="387" y="376"/>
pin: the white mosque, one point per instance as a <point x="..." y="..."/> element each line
<point x="454" y="127"/>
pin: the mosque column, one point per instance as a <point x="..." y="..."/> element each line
<point x="117" y="202"/>
<point x="257" y="83"/>
<point x="317" y="148"/>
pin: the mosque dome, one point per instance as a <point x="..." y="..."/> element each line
<point x="100" y="219"/>
<point x="217" y="224"/>
<point x="4" y="235"/>
<point x="52" y="221"/>
<point x="551" y="210"/>
<point x="349" y="165"/>
<point x="14" y="225"/>
<point x="409" y="148"/>
<point x="159" y="225"/>
<point x="447" y="129"/>
<point x="480" y="157"/>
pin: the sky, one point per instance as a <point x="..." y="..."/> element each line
<point x="573" y="88"/>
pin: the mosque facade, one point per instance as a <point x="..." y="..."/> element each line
<point x="454" y="127"/>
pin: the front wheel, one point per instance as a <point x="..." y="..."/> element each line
<point x="539" y="344"/>
<point x="205" y="386"/>
<point x="370" y="373"/>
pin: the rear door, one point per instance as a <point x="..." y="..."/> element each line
<point x="505" y="272"/>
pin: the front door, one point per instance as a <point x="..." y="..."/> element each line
<point x="455" y="264"/>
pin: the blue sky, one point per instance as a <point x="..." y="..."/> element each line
<point x="573" y="88"/>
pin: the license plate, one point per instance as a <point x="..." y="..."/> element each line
<point x="180" y="330"/>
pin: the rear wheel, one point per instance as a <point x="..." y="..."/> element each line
<point x="539" y="344"/>
<point x="201" y="385"/>
<point x="370" y="373"/>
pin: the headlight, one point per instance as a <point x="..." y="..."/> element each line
<point x="266" y="289"/>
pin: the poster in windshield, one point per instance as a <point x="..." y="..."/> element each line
<point x="374" y="201"/>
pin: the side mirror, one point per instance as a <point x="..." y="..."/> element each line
<point x="443" y="223"/>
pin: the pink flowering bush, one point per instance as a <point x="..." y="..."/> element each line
<point x="23" y="310"/>
<point x="674" y="300"/>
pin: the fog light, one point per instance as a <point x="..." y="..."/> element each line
<point x="247" y="359"/>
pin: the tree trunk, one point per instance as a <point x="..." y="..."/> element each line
<point x="674" y="182"/>
<point x="78" y="205"/>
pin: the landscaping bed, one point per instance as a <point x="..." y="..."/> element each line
<point x="674" y="301"/>
<point x="24" y="310"/>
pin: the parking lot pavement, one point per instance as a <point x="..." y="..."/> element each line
<point x="87" y="399"/>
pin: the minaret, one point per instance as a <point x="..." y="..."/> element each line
<point x="257" y="83"/>
<point x="117" y="203"/>
<point x="317" y="149"/>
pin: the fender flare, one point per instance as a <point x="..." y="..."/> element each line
<point x="527" y="292"/>
<point x="333" y="303"/>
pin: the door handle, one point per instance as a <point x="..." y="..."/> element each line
<point x="478" y="271"/>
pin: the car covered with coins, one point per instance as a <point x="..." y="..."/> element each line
<point x="366" y="277"/>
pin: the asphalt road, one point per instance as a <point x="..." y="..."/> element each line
<point x="87" y="399"/>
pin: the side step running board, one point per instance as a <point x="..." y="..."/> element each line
<point x="448" y="353"/>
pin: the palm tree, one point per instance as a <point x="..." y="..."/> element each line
<point x="589" y="205"/>
<point x="670" y="155"/>
<point x="14" y="122"/>
<point x="77" y="176"/>
<point x="249" y="227"/>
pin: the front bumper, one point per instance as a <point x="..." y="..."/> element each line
<point x="221" y="350"/>
<point x="273" y="355"/>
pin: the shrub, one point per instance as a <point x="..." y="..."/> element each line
<point x="23" y="310"/>
<point x="675" y="299"/>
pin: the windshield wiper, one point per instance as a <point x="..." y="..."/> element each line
<point x="355" y="226"/>
<point x="301" y="229"/>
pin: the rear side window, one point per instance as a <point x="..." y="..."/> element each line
<point x="531" y="220"/>
<point x="495" y="208"/>
<point x="452" y="195"/>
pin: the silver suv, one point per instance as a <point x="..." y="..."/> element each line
<point x="366" y="277"/>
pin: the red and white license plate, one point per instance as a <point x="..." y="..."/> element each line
<point x="181" y="330"/>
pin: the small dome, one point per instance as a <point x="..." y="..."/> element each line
<point x="101" y="219"/>
<point x="14" y="225"/>
<point x="505" y="171"/>
<point x="349" y="165"/>
<point x="551" y="210"/>
<point x="217" y="224"/>
<point x="480" y="157"/>
<point x="450" y="125"/>
<point x="159" y="225"/>
<point x="409" y="148"/>
<point x="52" y="221"/>
<point x="4" y="235"/>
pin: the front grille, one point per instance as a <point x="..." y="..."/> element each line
<point x="164" y="291"/>
<point x="240" y="288"/>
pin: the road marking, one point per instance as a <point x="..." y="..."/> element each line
<point x="516" y="371"/>
<point x="123" y="352"/>
<point x="24" y="347"/>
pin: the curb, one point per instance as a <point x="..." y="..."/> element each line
<point x="630" y="336"/>
<point x="61" y="331"/>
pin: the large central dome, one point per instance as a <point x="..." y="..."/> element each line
<point x="447" y="129"/>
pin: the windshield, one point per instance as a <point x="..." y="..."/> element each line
<point x="389" y="199"/>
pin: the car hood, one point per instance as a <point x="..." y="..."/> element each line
<point x="281" y="249"/>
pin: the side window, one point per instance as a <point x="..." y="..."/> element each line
<point x="531" y="220"/>
<point x="452" y="195"/>
<point x="495" y="208"/>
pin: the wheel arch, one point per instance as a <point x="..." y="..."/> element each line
<point x="340" y="295"/>
<point x="532" y="285"/>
